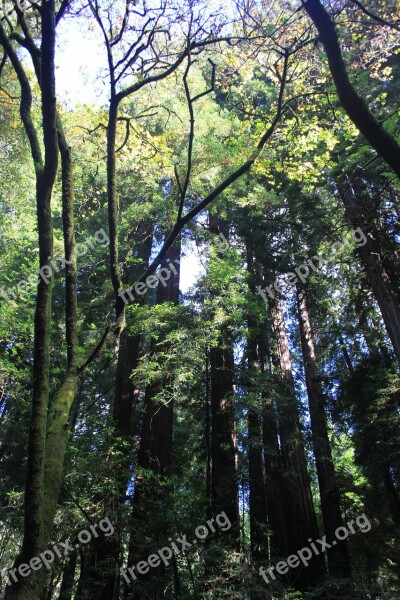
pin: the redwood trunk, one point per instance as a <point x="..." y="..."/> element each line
<point x="338" y="558"/>
<point x="224" y="484"/>
<point x="224" y="480"/>
<point x="379" y="279"/>
<point x="257" y="491"/>
<point x="67" y="584"/>
<point x="257" y="503"/>
<point x="151" y="495"/>
<point x="299" y="507"/>
<point x="273" y="467"/>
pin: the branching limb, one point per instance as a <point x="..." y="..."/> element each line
<point x="26" y="99"/>
<point x="190" y="102"/>
<point x="246" y="166"/>
<point x="61" y="11"/>
<point x="184" y="220"/>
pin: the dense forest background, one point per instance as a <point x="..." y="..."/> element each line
<point x="200" y="300"/>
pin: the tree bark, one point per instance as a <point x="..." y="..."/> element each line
<point x="151" y="494"/>
<point x="393" y="495"/>
<point x="379" y="279"/>
<point x="224" y="482"/>
<point x="257" y="500"/>
<point x="34" y="539"/>
<point x="338" y="558"/>
<point x="299" y="508"/>
<point x="67" y="584"/>
<point x="273" y="465"/>
<point x="257" y="491"/>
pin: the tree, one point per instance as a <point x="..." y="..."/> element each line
<point x="385" y="144"/>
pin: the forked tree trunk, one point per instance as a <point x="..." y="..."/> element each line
<point x="338" y="558"/>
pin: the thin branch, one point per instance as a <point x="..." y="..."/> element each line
<point x="210" y="89"/>
<point x="191" y="140"/>
<point x="127" y="131"/>
<point x="96" y="351"/>
<point x="123" y="25"/>
<point x="190" y="102"/>
<point x="110" y="59"/>
<point x="91" y="131"/>
<point x="2" y="63"/>
<point x="2" y="89"/>
<point x="178" y="181"/>
<point x="225" y="184"/>
<point x="375" y="17"/>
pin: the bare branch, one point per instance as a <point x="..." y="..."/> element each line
<point x="375" y="17"/>
<point x="127" y="131"/>
<point x="2" y="63"/>
<point x="190" y="102"/>
<point x="246" y="166"/>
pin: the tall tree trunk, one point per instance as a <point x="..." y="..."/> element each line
<point x="346" y="354"/>
<point x="257" y="501"/>
<point x="370" y="254"/>
<point x="299" y="507"/>
<point x="224" y="481"/>
<point x="257" y="491"/>
<point x="151" y="495"/>
<point x="354" y="105"/>
<point x="393" y="495"/>
<point x="125" y="402"/>
<point x="338" y="558"/>
<point x="207" y="438"/>
<point x="35" y="539"/>
<point x="128" y="354"/>
<point x="279" y="545"/>
<point x="67" y="584"/>
<point x="108" y="554"/>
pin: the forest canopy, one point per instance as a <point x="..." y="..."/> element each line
<point x="199" y="300"/>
